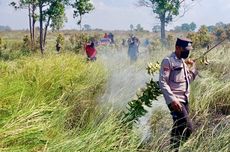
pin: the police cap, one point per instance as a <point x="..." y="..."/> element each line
<point x="185" y="43"/>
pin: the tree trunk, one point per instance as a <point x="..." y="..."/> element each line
<point x="80" y="22"/>
<point x="41" y="27"/>
<point x="45" y="33"/>
<point x="162" y="19"/>
<point x="33" y="26"/>
<point x="30" y="24"/>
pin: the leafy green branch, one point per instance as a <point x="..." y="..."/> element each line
<point x="145" y="96"/>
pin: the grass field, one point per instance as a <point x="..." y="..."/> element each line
<point x="48" y="103"/>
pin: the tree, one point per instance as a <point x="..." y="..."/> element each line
<point x="220" y="25"/>
<point x="178" y="29"/>
<point x="81" y="7"/>
<point x="164" y="9"/>
<point x="185" y="27"/>
<point x="51" y="13"/>
<point x="211" y="28"/>
<point x="5" y="28"/>
<point x="31" y="5"/>
<point x="131" y="27"/>
<point x="205" y="37"/>
<point x="200" y="39"/>
<point x="87" y="27"/>
<point x="139" y="28"/>
<point x="156" y="28"/>
<point x="220" y="34"/>
<point x="55" y="16"/>
<point x="192" y="26"/>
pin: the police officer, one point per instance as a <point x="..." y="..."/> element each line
<point x="176" y="74"/>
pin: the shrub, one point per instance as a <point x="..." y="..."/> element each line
<point x="155" y="45"/>
<point x="26" y="45"/>
<point x="201" y="39"/>
<point x="60" y="39"/>
<point x="78" y="41"/>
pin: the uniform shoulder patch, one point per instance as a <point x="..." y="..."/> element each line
<point x="166" y="68"/>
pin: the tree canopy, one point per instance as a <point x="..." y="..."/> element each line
<point x="81" y="7"/>
<point x="164" y="9"/>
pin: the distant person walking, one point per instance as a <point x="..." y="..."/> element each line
<point x="91" y="52"/>
<point x="174" y="80"/>
<point x="58" y="47"/>
<point x="133" y="46"/>
<point x="106" y="35"/>
<point x="111" y="37"/>
<point x="146" y="42"/>
<point x="123" y="42"/>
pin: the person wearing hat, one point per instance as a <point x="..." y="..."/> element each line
<point x="176" y="74"/>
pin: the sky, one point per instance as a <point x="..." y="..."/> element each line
<point x="119" y="14"/>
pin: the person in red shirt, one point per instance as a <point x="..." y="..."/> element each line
<point x="91" y="52"/>
<point x="106" y="35"/>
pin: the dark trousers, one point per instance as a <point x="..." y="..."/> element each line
<point x="182" y="125"/>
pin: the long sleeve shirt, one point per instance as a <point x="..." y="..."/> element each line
<point x="175" y="78"/>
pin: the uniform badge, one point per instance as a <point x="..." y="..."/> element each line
<point x="165" y="68"/>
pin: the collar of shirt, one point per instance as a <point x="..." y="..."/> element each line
<point x="176" y="58"/>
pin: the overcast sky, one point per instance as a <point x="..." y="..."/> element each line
<point x="119" y="14"/>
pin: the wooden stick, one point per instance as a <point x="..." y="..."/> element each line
<point x="210" y="50"/>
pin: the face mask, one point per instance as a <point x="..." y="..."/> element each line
<point x="184" y="54"/>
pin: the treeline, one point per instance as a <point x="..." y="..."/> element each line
<point x="191" y="27"/>
<point x="186" y="27"/>
<point x="206" y="35"/>
<point x="5" y="28"/>
<point x="50" y="14"/>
